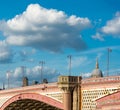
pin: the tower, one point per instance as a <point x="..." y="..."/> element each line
<point x="68" y="84"/>
<point x="25" y="81"/>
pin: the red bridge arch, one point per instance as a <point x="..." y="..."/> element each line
<point x="33" y="96"/>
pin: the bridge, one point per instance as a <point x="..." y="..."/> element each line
<point x="36" y="97"/>
<point x="60" y="95"/>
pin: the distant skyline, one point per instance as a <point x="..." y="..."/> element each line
<point x="32" y="31"/>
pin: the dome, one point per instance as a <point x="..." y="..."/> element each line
<point x="97" y="72"/>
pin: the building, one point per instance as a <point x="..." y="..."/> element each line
<point x="96" y="89"/>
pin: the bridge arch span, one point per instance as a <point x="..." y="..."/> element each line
<point x="33" y="96"/>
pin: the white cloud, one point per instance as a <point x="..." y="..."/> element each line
<point x="112" y="28"/>
<point x="6" y="53"/>
<point x="78" y="22"/>
<point x="33" y="74"/>
<point x="98" y="36"/>
<point x="18" y="72"/>
<point x="86" y="75"/>
<point x="46" y="29"/>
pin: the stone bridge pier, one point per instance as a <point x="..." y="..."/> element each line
<point x="70" y="85"/>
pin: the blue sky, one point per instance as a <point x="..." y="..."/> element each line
<point x="32" y="31"/>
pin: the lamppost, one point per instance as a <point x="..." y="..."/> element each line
<point x="108" y="58"/>
<point x="42" y="63"/>
<point x="23" y="71"/>
<point x="8" y="80"/>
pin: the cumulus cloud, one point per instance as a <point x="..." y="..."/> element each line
<point x="46" y="29"/>
<point x="33" y="74"/>
<point x="6" y="54"/>
<point x="112" y="28"/>
<point x="98" y="36"/>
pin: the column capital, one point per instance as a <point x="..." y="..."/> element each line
<point x="67" y="89"/>
<point x="68" y="83"/>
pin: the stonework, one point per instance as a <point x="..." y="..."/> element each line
<point x="71" y="90"/>
<point x="93" y="89"/>
<point x="70" y="93"/>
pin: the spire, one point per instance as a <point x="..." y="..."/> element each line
<point x="96" y="72"/>
<point x="97" y="65"/>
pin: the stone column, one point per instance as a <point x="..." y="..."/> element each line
<point x="67" y="99"/>
<point x="67" y="85"/>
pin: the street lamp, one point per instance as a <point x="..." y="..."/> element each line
<point x="108" y="58"/>
<point x="23" y="71"/>
<point x="42" y="63"/>
<point x="8" y="80"/>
